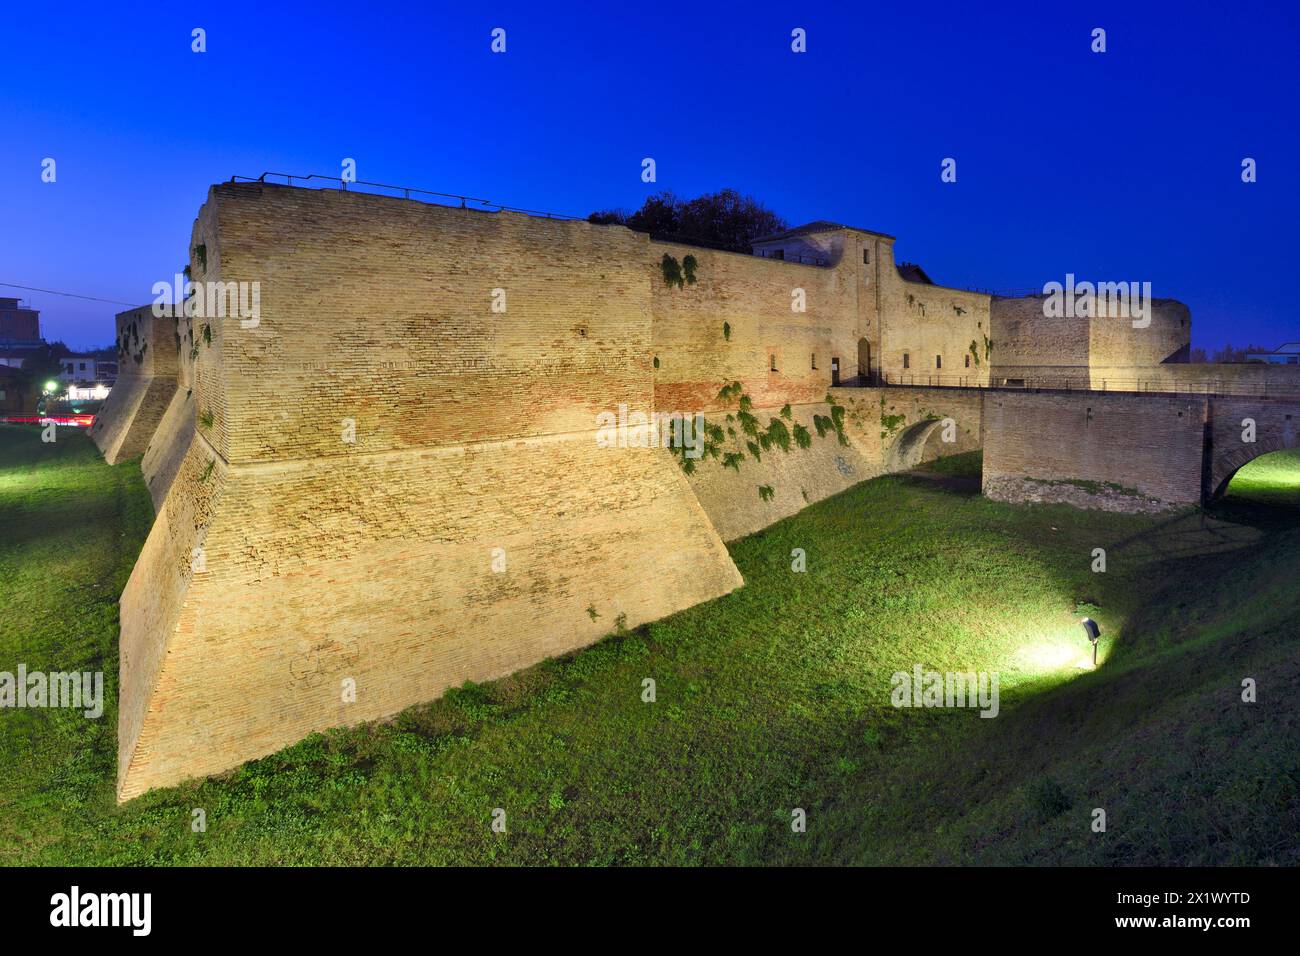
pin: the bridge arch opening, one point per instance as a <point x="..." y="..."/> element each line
<point x="1227" y="466"/>
<point x="1271" y="477"/>
<point x="909" y="448"/>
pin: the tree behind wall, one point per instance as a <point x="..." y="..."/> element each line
<point x="721" y="220"/>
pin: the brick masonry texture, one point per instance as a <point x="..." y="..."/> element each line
<point x="1151" y="448"/>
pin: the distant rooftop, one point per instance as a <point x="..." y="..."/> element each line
<point x="820" y="225"/>
<point x="911" y="272"/>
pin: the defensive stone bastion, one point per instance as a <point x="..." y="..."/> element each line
<point x="388" y="488"/>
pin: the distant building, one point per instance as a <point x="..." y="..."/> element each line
<point x="20" y="332"/>
<point x="1287" y="354"/>
<point x="78" y="369"/>
<point x="19" y="324"/>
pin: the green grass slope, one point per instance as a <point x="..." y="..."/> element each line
<point x="772" y="698"/>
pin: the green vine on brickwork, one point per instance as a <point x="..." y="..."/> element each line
<point x="712" y="447"/>
<point x="729" y="392"/>
<point x="988" y="347"/>
<point x="672" y="271"/>
<point x="207" y="471"/>
<point x="678" y="274"/>
<point x="889" y="423"/>
<point x="206" y="419"/>
<point x="778" y="434"/>
<point x="726" y="331"/>
<point x="766" y="492"/>
<point x="833" y="422"/>
<point x="201" y="253"/>
<point x="975" y="351"/>
<point x="759" y="439"/>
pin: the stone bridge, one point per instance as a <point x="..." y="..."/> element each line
<point x="1127" y="451"/>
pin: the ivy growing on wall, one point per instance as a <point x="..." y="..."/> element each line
<point x="678" y="274"/>
<point x="759" y="438"/>
<point x="889" y="423"/>
<point x="672" y="271"/>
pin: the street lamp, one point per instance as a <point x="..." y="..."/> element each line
<point x="1093" y="633"/>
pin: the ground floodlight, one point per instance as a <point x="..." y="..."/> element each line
<point x="1093" y="632"/>
<point x="51" y="386"/>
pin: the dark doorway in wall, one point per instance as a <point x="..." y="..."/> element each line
<point x="864" y="362"/>
<point x="835" y="371"/>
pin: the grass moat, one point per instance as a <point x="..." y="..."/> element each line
<point x="771" y="699"/>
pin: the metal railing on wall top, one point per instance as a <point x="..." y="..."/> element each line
<point x="407" y="192"/>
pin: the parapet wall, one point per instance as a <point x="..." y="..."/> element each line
<point x="1113" y="452"/>
<point x="383" y="311"/>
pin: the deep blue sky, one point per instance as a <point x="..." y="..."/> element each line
<point x="1118" y="166"/>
